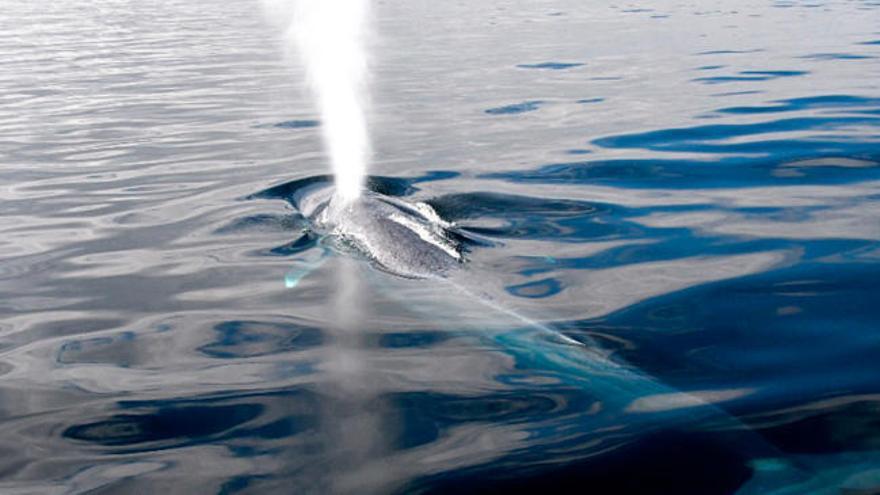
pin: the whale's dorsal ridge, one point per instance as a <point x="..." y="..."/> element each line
<point x="405" y="239"/>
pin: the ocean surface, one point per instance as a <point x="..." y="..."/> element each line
<point x="691" y="190"/>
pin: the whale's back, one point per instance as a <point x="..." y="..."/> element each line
<point x="404" y="239"/>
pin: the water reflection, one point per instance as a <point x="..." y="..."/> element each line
<point x="701" y="212"/>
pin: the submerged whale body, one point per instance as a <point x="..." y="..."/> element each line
<point x="405" y="239"/>
<point x="409" y="239"/>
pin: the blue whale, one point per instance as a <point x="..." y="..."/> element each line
<point x="410" y="240"/>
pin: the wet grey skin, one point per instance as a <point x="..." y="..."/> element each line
<point x="404" y="239"/>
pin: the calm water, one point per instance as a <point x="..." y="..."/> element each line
<point x="691" y="190"/>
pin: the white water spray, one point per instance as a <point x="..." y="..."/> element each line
<point x="330" y="37"/>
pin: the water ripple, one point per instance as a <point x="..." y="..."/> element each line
<point x="701" y="212"/>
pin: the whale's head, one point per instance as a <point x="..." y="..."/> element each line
<point x="402" y="238"/>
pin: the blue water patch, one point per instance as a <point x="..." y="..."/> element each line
<point x="729" y="52"/>
<point x="551" y="65"/>
<point x="712" y="138"/>
<point x="836" y="56"/>
<point x="239" y="339"/>
<point x="526" y="106"/>
<point x="401" y="340"/>
<point x="590" y="100"/>
<point x="724" y="172"/>
<point x="725" y="94"/>
<point x="521" y="217"/>
<point x="185" y="424"/>
<point x="751" y="75"/>
<point x="537" y="289"/>
<point x="774" y="73"/>
<point x="842" y="103"/>
<point x="297" y="124"/>
<point x="291" y="124"/>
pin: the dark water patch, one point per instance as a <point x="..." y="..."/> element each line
<point x="728" y="79"/>
<point x="116" y="349"/>
<point x="578" y="151"/>
<point x="871" y="43"/>
<point x="537" y="289"/>
<point x="525" y="217"/>
<point x="590" y="100"/>
<point x="186" y="424"/>
<point x="768" y="321"/>
<point x="426" y="416"/>
<point x="570" y="230"/>
<point x="238" y="484"/>
<point x="296" y="124"/>
<point x="680" y="463"/>
<point x="142" y="426"/>
<point x="456" y="207"/>
<point x="670" y="244"/>
<point x="828" y="426"/>
<point x="301" y="244"/>
<point x="287" y="190"/>
<point x="526" y="106"/>
<point x="710" y="67"/>
<point x="694" y="174"/>
<point x="677" y="243"/>
<point x="842" y="103"/>
<point x="751" y="75"/>
<point x="401" y="340"/>
<point x="435" y="175"/>
<point x="61" y="327"/>
<point x="708" y="138"/>
<point x="730" y="52"/>
<point x="774" y="73"/>
<point x="551" y="65"/>
<point x="598" y="171"/>
<point x="502" y="407"/>
<point x="738" y="93"/>
<point x="836" y="56"/>
<point x="244" y="339"/>
<point x="387" y="186"/>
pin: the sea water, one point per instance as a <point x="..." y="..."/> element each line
<point x="693" y="190"/>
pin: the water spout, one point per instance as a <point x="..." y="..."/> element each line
<point x="330" y="38"/>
